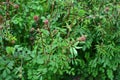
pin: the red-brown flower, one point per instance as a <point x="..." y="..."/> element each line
<point x="46" y="22"/>
<point x="82" y="38"/>
<point x="36" y="18"/>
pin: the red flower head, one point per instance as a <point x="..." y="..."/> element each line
<point x="36" y="18"/>
<point x="82" y="38"/>
<point x="46" y="22"/>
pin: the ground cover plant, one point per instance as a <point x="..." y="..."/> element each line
<point x="59" y="40"/>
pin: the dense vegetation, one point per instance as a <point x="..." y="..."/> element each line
<point x="59" y="40"/>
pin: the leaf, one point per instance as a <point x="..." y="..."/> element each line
<point x="71" y="51"/>
<point x="10" y="50"/>
<point x="0" y="39"/>
<point x="8" y="70"/>
<point x="10" y="65"/>
<point x="75" y="44"/>
<point x="4" y="74"/>
<point x="95" y="73"/>
<point x="75" y="52"/>
<point x="40" y="61"/>
<point x="82" y="13"/>
<point x="110" y="74"/>
<point x="78" y="47"/>
<point x="87" y="55"/>
<point x="45" y="32"/>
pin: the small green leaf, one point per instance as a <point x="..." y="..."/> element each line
<point x="75" y="52"/>
<point x="110" y="74"/>
<point x="71" y="51"/>
<point x="4" y="74"/>
<point x="45" y="32"/>
<point x="82" y="13"/>
<point x="40" y="61"/>
<point x="78" y="47"/>
<point x="10" y="50"/>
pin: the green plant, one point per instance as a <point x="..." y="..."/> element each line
<point x="59" y="39"/>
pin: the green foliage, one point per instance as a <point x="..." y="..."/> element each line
<point x="59" y="40"/>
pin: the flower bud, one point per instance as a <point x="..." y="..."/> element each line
<point x="36" y="18"/>
<point x="16" y="6"/>
<point x="46" y="22"/>
<point x="32" y="29"/>
<point x="107" y="9"/>
<point x="82" y="38"/>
